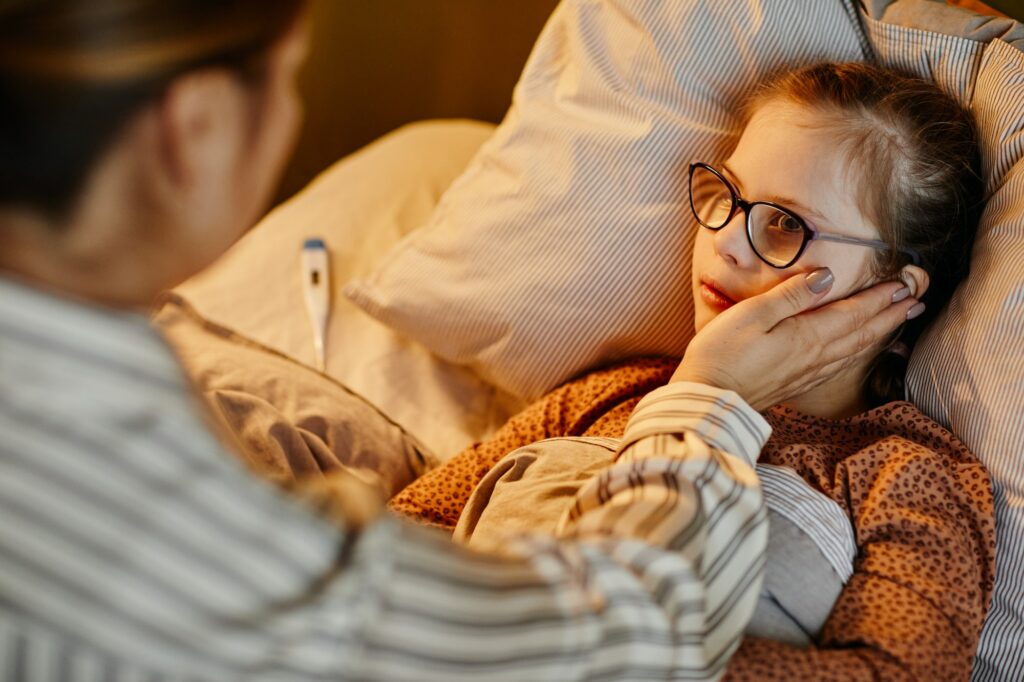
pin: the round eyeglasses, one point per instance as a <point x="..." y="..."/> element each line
<point x="777" y="235"/>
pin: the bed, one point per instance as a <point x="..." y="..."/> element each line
<point x="465" y="271"/>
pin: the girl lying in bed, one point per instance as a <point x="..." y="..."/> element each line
<point x="881" y="557"/>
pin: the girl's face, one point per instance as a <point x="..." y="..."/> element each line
<point x="785" y="155"/>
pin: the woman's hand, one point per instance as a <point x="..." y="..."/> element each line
<point x="774" y="347"/>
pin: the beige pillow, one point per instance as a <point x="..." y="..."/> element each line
<point x="566" y="243"/>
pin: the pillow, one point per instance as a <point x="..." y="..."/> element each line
<point x="967" y="370"/>
<point x="566" y="243"/>
<point x="361" y="207"/>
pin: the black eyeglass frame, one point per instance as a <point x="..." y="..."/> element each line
<point x="809" y="233"/>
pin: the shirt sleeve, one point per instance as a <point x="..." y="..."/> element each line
<point x="213" y="575"/>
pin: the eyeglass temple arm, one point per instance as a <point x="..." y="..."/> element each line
<point x="873" y="243"/>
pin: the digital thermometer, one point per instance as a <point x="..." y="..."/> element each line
<point x="316" y="285"/>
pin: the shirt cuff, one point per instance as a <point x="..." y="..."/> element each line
<point x="721" y="418"/>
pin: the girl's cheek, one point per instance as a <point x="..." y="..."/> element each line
<point x="849" y="285"/>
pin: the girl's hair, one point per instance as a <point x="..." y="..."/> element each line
<point x="73" y="71"/>
<point x="915" y="153"/>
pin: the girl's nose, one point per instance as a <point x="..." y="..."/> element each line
<point x="731" y="243"/>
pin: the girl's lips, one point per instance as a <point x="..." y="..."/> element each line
<point x="715" y="298"/>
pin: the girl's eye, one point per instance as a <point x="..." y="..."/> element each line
<point x="783" y="222"/>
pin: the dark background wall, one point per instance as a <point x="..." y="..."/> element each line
<point x="377" y="64"/>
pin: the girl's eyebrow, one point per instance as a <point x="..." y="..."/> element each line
<point x="776" y="199"/>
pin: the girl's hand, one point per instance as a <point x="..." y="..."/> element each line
<point x="773" y="347"/>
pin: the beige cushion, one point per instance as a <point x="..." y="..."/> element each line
<point x="566" y="243"/>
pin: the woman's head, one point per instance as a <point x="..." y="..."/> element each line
<point x="856" y="152"/>
<point x="178" y="112"/>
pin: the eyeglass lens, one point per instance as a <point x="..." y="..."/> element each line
<point x="777" y="236"/>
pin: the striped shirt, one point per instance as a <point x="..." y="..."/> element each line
<point x="134" y="547"/>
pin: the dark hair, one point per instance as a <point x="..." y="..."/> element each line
<point x="73" y="71"/>
<point x="920" y="181"/>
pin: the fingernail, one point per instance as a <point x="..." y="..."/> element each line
<point x="820" y="280"/>
<point x="915" y="311"/>
<point x="900" y="295"/>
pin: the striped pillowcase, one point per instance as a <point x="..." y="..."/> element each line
<point x="566" y="243"/>
<point x="967" y="371"/>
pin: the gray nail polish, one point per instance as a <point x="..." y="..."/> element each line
<point x="820" y="280"/>
<point x="900" y="295"/>
<point x="915" y="311"/>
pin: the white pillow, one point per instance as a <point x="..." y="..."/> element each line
<point x="567" y="241"/>
<point x="361" y="206"/>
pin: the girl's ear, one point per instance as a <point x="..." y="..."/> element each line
<point x="916" y="279"/>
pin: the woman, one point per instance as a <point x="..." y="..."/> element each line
<point x="875" y="176"/>
<point x="139" y="139"/>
